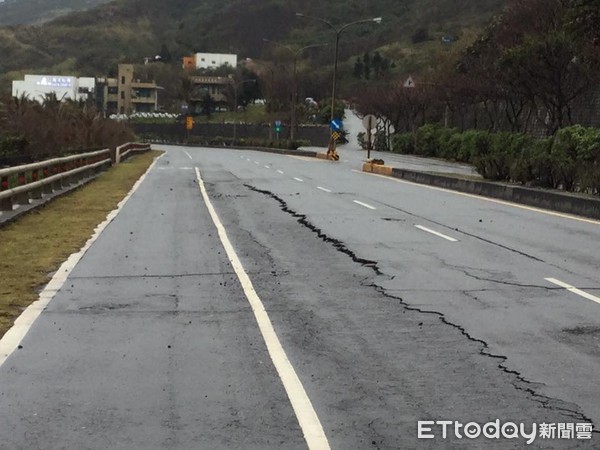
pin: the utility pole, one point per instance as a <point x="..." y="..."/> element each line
<point x="338" y="32"/>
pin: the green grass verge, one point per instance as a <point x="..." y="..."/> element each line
<point x="36" y="244"/>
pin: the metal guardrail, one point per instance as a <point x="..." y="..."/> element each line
<point x="124" y="151"/>
<point x="20" y="184"/>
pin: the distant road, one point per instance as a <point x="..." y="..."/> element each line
<point x="392" y="303"/>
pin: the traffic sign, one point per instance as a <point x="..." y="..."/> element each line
<point x="335" y="135"/>
<point x="278" y="126"/>
<point x="369" y="122"/>
<point x="336" y="125"/>
<point x="409" y="83"/>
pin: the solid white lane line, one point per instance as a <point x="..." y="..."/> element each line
<point x="267" y="167"/>
<point x="573" y="289"/>
<point x="19" y="330"/>
<point x="280" y="171"/>
<point x="307" y="417"/>
<point x="486" y="199"/>
<point x="323" y="189"/>
<point x="443" y="236"/>
<point x="300" y="180"/>
<point x="189" y="156"/>
<point x="364" y="204"/>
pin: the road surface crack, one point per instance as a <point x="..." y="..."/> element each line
<point x="520" y="383"/>
<point x="303" y="220"/>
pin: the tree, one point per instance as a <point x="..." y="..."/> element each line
<point x="207" y="104"/>
<point x="420" y="35"/>
<point x="367" y="66"/>
<point x="165" y="54"/>
<point x="359" y="68"/>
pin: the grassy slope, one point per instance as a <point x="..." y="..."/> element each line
<point x="38" y="11"/>
<point x="93" y="42"/>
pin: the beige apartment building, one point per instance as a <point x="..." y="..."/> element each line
<point x="126" y="94"/>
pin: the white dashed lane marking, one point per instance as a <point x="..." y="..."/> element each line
<point x="443" y="236"/>
<point x="365" y="205"/>
<point x="574" y="290"/>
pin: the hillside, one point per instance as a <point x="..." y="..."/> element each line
<point x="94" y="41"/>
<point x="19" y="12"/>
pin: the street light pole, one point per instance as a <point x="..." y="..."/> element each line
<point x="295" y="53"/>
<point x="338" y="32"/>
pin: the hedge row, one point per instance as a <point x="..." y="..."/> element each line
<point x="570" y="160"/>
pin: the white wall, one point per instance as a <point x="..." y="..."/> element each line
<point x="214" y="60"/>
<point x="36" y="87"/>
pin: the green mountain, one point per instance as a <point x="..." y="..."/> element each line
<point x="92" y="42"/>
<point x="19" y="12"/>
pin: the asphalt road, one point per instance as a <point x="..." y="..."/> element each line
<point x="393" y="302"/>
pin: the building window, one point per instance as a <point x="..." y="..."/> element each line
<point x="123" y="94"/>
<point x="122" y="80"/>
<point x="113" y="90"/>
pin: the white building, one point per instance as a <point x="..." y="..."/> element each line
<point x="36" y="87"/>
<point x="214" y="60"/>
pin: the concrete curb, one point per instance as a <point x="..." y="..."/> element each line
<point x="564" y="202"/>
<point x="323" y="156"/>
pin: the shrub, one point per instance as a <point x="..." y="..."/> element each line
<point x="381" y="142"/>
<point x="403" y="143"/>
<point x="361" y="137"/>
<point x="570" y="160"/>
<point x="541" y="163"/>
<point x="427" y="140"/>
<point x="11" y="146"/>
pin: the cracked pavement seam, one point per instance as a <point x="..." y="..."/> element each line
<point x="520" y="383"/>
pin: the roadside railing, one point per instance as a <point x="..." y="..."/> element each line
<point x="126" y="150"/>
<point x="20" y="184"/>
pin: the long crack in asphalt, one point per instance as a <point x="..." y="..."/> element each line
<point x="520" y="383"/>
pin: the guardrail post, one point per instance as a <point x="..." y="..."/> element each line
<point x="21" y="199"/>
<point x="67" y="180"/>
<point x="58" y="184"/>
<point x="5" y="204"/>
<point x="47" y="189"/>
<point x="36" y="193"/>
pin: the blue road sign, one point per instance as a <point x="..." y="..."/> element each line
<point x="336" y="125"/>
